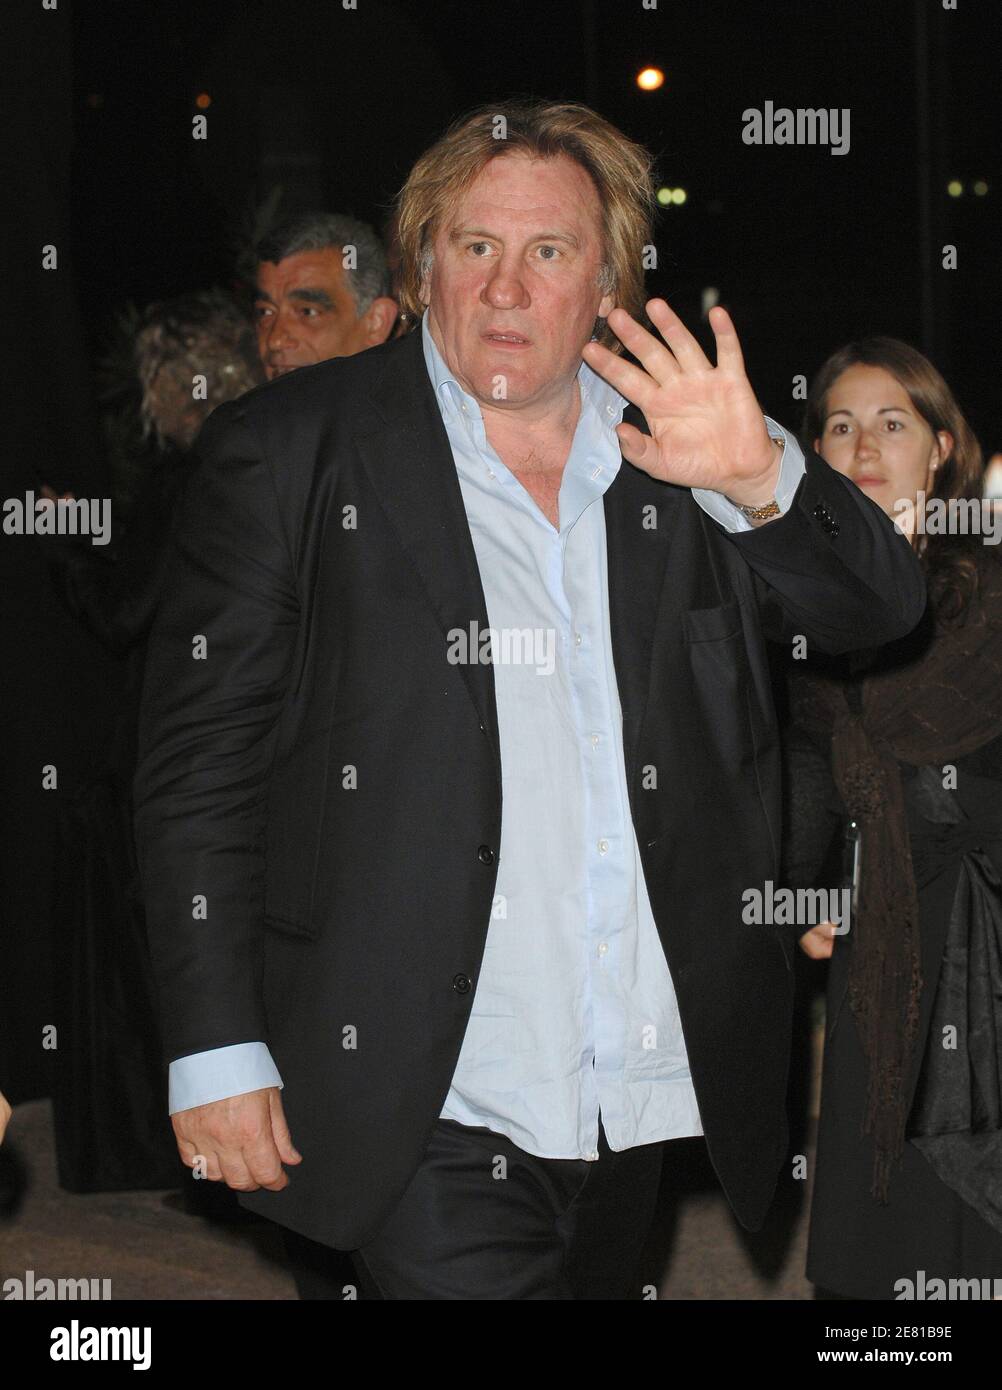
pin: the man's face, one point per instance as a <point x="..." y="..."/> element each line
<point x="513" y="291"/>
<point x="305" y="312"/>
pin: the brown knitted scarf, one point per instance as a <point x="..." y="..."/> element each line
<point x="941" y="706"/>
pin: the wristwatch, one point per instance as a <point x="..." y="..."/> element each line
<point x="762" y="513"/>
<point x="768" y="509"/>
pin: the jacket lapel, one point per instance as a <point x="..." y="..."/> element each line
<point x="407" y="455"/>
<point x="657" y="568"/>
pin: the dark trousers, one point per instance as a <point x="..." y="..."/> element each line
<point x="482" y="1219"/>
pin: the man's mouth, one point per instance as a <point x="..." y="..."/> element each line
<point x="507" y="339"/>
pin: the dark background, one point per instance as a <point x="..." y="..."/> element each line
<point x="806" y="248"/>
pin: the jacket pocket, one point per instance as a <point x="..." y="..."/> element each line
<point x="712" y="624"/>
<point x="718" y="714"/>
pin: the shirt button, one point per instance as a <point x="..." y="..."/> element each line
<point x="592" y="1156"/>
<point x="594" y="740"/>
<point x="485" y="854"/>
<point x="461" y="984"/>
<point x="577" y="639"/>
<point x="602" y="947"/>
<point x="603" y="846"/>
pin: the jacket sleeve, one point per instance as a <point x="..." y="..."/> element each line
<point x="215" y="682"/>
<point x="813" y="818"/>
<point x="834" y="569"/>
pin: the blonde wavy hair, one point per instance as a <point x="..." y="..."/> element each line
<point x="620" y="169"/>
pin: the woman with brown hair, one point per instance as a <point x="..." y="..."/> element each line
<point x="905" y="744"/>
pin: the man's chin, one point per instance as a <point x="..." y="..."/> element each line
<point x="500" y="387"/>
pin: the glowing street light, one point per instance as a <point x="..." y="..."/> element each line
<point x="650" y="79"/>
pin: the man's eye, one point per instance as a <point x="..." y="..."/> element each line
<point x="260" y="310"/>
<point x="475" y="244"/>
<point x="556" y="253"/>
<point x="899" y="424"/>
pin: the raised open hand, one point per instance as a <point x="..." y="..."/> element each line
<point x="707" y="430"/>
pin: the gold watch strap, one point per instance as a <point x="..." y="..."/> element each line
<point x="761" y="513"/>
<point x="767" y="509"/>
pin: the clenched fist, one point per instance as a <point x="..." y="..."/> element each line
<point x="243" y="1140"/>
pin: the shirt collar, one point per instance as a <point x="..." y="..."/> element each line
<point x="596" y="392"/>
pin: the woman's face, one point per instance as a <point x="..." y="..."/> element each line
<point x="873" y="435"/>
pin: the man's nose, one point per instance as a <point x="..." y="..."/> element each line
<point x="281" y="332"/>
<point x="504" y="288"/>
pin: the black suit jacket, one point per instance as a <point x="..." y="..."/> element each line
<point x="331" y="785"/>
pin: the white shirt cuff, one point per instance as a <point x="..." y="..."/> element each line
<point x="219" y="1073"/>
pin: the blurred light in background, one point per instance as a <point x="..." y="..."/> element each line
<point x="650" y="79"/>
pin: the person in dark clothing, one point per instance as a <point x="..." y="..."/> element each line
<point x="907" y="743"/>
<point x="190" y="354"/>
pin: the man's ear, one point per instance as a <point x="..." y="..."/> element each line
<point x="380" y="317"/>
<point x="424" y="266"/>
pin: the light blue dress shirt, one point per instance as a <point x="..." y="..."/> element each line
<point x="574" y="1011"/>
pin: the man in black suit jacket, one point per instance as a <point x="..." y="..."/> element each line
<point x="319" y="800"/>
